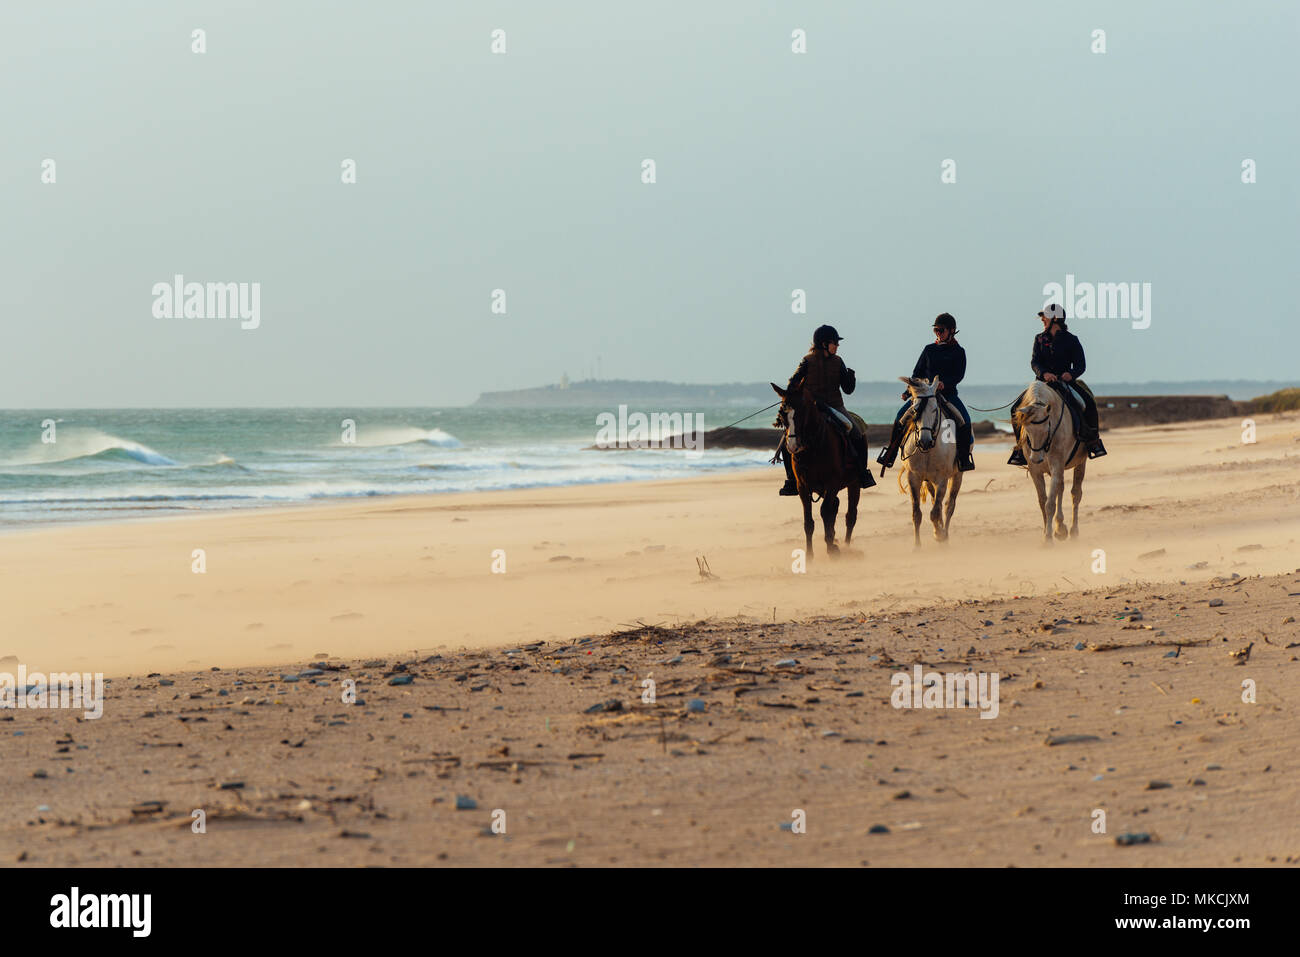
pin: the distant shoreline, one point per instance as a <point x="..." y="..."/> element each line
<point x="613" y="392"/>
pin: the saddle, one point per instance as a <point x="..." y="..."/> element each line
<point x="844" y="423"/>
<point x="1076" y="410"/>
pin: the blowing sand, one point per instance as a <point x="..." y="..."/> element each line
<point x="377" y="590"/>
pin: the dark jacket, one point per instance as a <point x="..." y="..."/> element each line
<point x="1057" y="354"/>
<point x="824" y="375"/>
<point x="948" y="362"/>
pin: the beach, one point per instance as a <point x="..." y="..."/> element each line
<point x="458" y="590"/>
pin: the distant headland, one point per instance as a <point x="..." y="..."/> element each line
<point x="603" y="393"/>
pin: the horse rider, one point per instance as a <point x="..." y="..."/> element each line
<point x="1058" y="360"/>
<point x="946" y="359"/>
<point x="824" y="374"/>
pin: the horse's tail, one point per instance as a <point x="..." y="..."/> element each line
<point x="902" y="489"/>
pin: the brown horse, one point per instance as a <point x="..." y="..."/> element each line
<point x="821" y="464"/>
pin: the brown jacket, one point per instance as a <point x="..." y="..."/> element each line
<point x="824" y="375"/>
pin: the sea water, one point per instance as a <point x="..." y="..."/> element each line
<point x="130" y="463"/>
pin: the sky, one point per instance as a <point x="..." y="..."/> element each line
<point x="522" y="171"/>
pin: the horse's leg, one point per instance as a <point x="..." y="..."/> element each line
<point x="1076" y="493"/>
<point x="830" y="506"/>
<point x="1041" y="489"/>
<point x="940" y="489"/>
<point x="914" y="485"/>
<point x="954" y="486"/>
<point x="806" y="498"/>
<point x="851" y="516"/>
<point x="1056" y="500"/>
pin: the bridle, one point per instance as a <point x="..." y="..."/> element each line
<point x="1051" y="432"/>
<point x="915" y="416"/>
<point x="789" y="413"/>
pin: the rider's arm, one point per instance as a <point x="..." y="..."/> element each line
<point x="796" y="380"/>
<point x="1077" y="367"/>
<point x="1035" y="360"/>
<point x="959" y="370"/>
<point x="922" y="368"/>
<point x="848" y="379"/>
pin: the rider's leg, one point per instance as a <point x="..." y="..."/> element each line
<point x="1091" y="422"/>
<point x="859" y="442"/>
<point x="965" y="437"/>
<point x="790" y="487"/>
<point x="890" y="451"/>
<point x="1017" y="456"/>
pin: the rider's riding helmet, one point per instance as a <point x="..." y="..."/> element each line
<point x="945" y="321"/>
<point x="824" y="335"/>
<point x="1053" y="312"/>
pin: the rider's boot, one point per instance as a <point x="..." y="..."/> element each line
<point x="1092" y="437"/>
<point x="890" y="451"/>
<point x="1017" y="456"/>
<point x="865" y="478"/>
<point x="789" y="488"/>
<point x="965" y="438"/>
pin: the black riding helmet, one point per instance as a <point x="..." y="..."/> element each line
<point x="824" y="335"/>
<point x="945" y="321"/>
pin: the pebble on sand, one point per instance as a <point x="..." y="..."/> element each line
<point x="465" y="803"/>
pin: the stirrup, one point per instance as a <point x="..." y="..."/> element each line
<point x="1017" y="457"/>
<point x="866" y="479"/>
<point x="1096" y="450"/>
<point x="789" y="488"/>
<point x="965" y="463"/>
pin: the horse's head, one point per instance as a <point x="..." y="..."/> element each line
<point x="1034" y="417"/>
<point x="798" y="413"/>
<point x="925" y="410"/>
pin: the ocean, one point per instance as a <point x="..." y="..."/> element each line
<point x="106" y="464"/>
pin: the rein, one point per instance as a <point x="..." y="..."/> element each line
<point x="1050" y="432"/>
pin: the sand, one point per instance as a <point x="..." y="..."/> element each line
<point x="406" y="586"/>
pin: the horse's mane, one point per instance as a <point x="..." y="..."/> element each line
<point x="1038" y="391"/>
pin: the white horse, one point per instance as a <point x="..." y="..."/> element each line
<point x="1049" y="444"/>
<point x="929" y="457"/>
